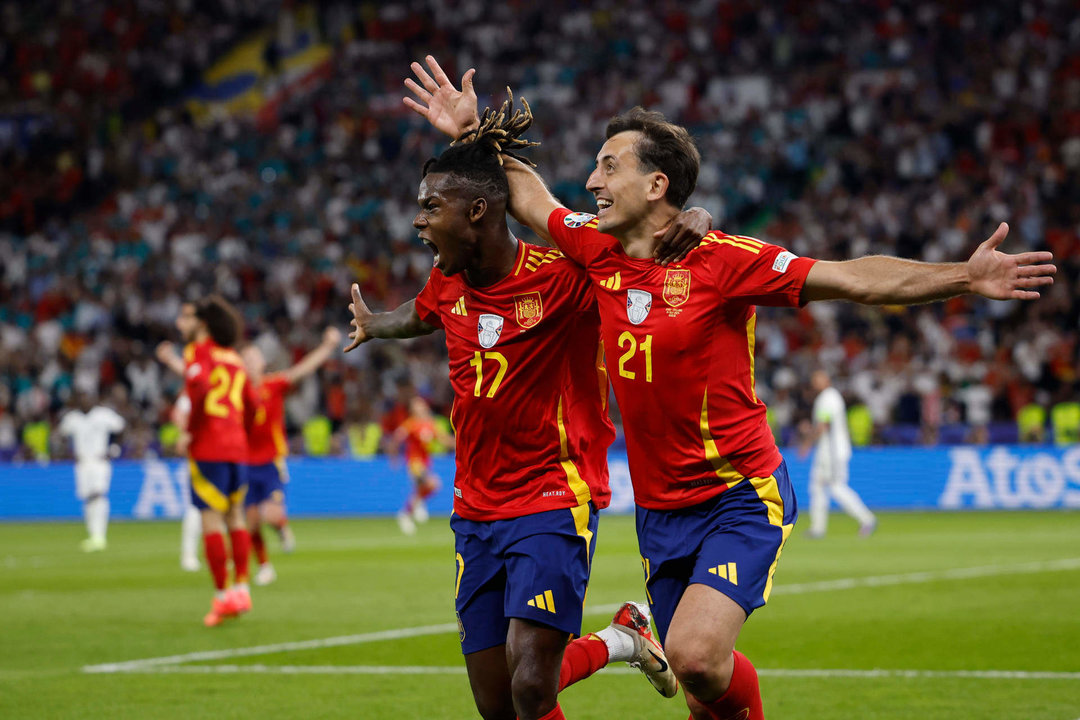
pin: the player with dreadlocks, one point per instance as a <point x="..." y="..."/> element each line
<point x="530" y="393"/>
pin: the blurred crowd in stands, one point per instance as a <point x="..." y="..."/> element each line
<point x="836" y="129"/>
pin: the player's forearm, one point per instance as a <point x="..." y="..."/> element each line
<point x="310" y="363"/>
<point x="881" y="280"/>
<point x="402" y="322"/>
<point x="174" y="363"/>
<point x="531" y="203"/>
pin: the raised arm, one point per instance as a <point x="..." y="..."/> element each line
<point x="403" y="322"/>
<point x="880" y="280"/>
<point x="167" y="356"/>
<point x="311" y="362"/>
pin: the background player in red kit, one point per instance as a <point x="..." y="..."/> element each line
<point x="417" y="432"/>
<point x="715" y="505"/>
<point x="216" y="383"/>
<point x="268" y="446"/>
<point x="532" y="435"/>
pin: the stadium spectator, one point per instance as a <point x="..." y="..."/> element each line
<point x="825" y="126"/>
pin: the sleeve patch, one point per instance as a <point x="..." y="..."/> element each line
<point x="577" y="219"/>
<point x="780" y="264"/>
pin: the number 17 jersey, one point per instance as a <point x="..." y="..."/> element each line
<point x="530" y="387"/>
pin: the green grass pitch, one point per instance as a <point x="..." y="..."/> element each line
<point x="947" y="597"/>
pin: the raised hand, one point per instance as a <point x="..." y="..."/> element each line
<point x="361" y="315"/>
<point x="331" y="337"/>
<point x="681" y="235"/>
<point x="448" y="109"/>
<point x="1001" y="276"/>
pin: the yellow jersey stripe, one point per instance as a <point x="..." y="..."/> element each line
<point x="739" y="244"/>
<point x="751" y="335"/>
<point x="577" y="486"/>
<point x="721" y="466"/>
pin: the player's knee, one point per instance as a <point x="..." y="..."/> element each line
<point x="533" y="691"/>
<point x="701" y="668"/>
<point x="494" y="706"/>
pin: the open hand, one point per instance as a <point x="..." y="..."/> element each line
<point x="448" y="109"/>
<point x="361" y="314"/>
<point x="1001" y="276"/>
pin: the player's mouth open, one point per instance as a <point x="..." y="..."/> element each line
<point x="603" y="204"/>
<point x="432" y="247"/>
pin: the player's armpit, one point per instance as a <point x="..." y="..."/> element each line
<point x="531" y="203"/>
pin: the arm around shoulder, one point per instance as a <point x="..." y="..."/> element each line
<point x="531" y="203"/>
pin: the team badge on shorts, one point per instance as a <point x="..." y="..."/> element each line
<point x="676" y="287"/>
<point x="488" y="329"/>
<point x="576" y="220"/>
<point x="638" y="305"/>
<point x="530" y="309"/>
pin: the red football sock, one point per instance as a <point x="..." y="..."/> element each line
<point x="555" y="714"/>
<point x="258" y="544"/>
<point x="241" y="550"/>
<point x="216" y="559"/>
<point x="742" y="696"/>
<point x="581" y="659"/>
<point x="280" y="524"/>
<point x="425" y="491"/>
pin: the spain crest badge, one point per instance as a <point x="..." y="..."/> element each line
<point x="676" y="287"/>
<point x="530" y="309"/>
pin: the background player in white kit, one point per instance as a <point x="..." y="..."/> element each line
<point x="89" y="428"/>
<point x="832" y="453"/>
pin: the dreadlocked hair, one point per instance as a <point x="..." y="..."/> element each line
<point x="475" y="168"/>
<point x="502" y="131"/>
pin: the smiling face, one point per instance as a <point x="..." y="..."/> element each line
<point x="444" y="222"/>
<point x="622" y="190"/>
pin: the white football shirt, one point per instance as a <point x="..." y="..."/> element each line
<point x="90" y="431"/>
<point x="834" y="444"/>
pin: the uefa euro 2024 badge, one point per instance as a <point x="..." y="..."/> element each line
<point x="638" y="305"/>
<point x="488" y="330"/>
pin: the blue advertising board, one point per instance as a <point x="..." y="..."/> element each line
<point x="947" y="478"/>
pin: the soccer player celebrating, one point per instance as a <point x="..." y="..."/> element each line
<point x="532" y="434"/>
<point x="216" y="384"/>
<point x="89" y="428"/>
<point x="417" y="433"/>
<point x="714" y="503"/>
<point x="267" y="447"/>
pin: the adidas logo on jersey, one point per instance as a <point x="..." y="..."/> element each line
<point x="535" y="258"/>
<point x="614" y="282"/>
<point x="459" y="307"/>
<point x="545" y="601"/>
<point x="728" y="572"/>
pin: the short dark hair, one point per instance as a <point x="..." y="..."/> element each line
<point x="221" y="318"/>
<point x="476" y="168"/>
<point x="664" y="147"/>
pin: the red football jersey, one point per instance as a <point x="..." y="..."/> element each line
<point x="266" y="426"/>
<point x="529" y="385"/>
<point x="680" y="343"/>
<point x="418" y="436"/>
<point x="217" y="385"/>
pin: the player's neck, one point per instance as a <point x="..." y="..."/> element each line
<point x="495" y="261"/>
<point x="640" y="241"/>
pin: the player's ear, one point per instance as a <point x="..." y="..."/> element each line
<point x="658" y="186"/>
<point x="478" y="209"/>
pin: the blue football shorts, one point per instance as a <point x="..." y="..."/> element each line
<point x="217" y="485"/>
<point x="534" y="567"/>
<point x="731" y="542"/>
<point x="266" y="482"/>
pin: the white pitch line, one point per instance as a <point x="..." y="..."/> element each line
<point x="460" y="670"/>
<point x="792" y="589"/>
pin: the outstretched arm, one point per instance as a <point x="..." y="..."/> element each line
<point x="314" y="359"/>
<point x="167" y="356"/>
<point x="403" y="322"/>
<point x="880" y="280"/>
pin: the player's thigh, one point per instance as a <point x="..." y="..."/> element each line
<point x="214" y="485"/>
<point x="489" y="679"/>
<point x="703" y="631"/>
<point x="548" y="557"/>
